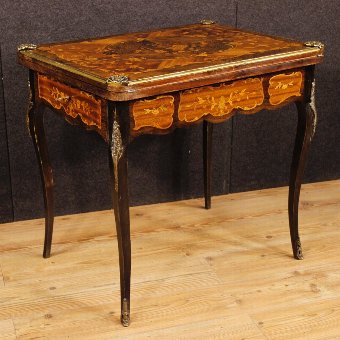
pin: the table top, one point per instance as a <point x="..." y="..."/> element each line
<point x="136" y="65"/>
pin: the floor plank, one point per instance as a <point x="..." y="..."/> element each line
<point x="224" y="273"/>
<point x="2" y="283"/>
<point x="7" y="330"/>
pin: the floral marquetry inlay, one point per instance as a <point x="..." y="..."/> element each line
<point x="284" y="86"/>
<point x="221" y="100"/>
<point x="145" y="55"/>
<point x="157" y="112"/>
<point x="74" y="102"/>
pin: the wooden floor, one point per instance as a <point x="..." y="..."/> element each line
<point x="226" y="273"/>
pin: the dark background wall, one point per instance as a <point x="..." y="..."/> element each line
<point x="249" y="152"/>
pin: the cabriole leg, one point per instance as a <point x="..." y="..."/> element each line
<point x="207" y="148"/>
<point x="307" y="118"/>
<point x="119" y="168"/>
<point x="36" y="126"/>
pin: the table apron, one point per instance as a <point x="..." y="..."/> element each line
<point x="75" y="105"/>
<point x="215" y="103"/>
<point x="161" y="114"/>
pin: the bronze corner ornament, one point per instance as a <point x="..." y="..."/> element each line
<point x="314" y="43"/>
<point x="207" y="22"/>
<point x="24" y="47"/>
<point x="118" y="79"/>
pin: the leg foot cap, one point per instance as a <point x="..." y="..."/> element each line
<point x="125" y="320"/>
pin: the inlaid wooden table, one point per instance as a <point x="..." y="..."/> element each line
<point x="151" y="83"/>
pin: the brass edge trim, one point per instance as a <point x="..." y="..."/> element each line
<point x="65" y="67"/>
<point x="221" y="66"/>
<point x="103" y="81"/>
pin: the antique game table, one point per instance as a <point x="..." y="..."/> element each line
<point x="127" y="85"/>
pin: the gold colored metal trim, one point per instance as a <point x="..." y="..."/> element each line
<point x="207" y="22"/>
<point x="103" y="81"/>
<point x="299" y="253"/>
<point x="29" y="104"/>
<point x="125" y="317"/>
<point x="221" y="66"/>
<point x="317" y="44"/>
<point x="313" y="108"/>
<point x="119" y="79"/>
<point x="65" y="67"/>
<point x="117" y="148"/>
<point x="24" y="47"/>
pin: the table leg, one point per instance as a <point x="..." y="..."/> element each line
<point x="36" y="126"/>
<point x="207" y="148"/>
<point x="307" y="118"/>
<point x="118" y="168"/>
